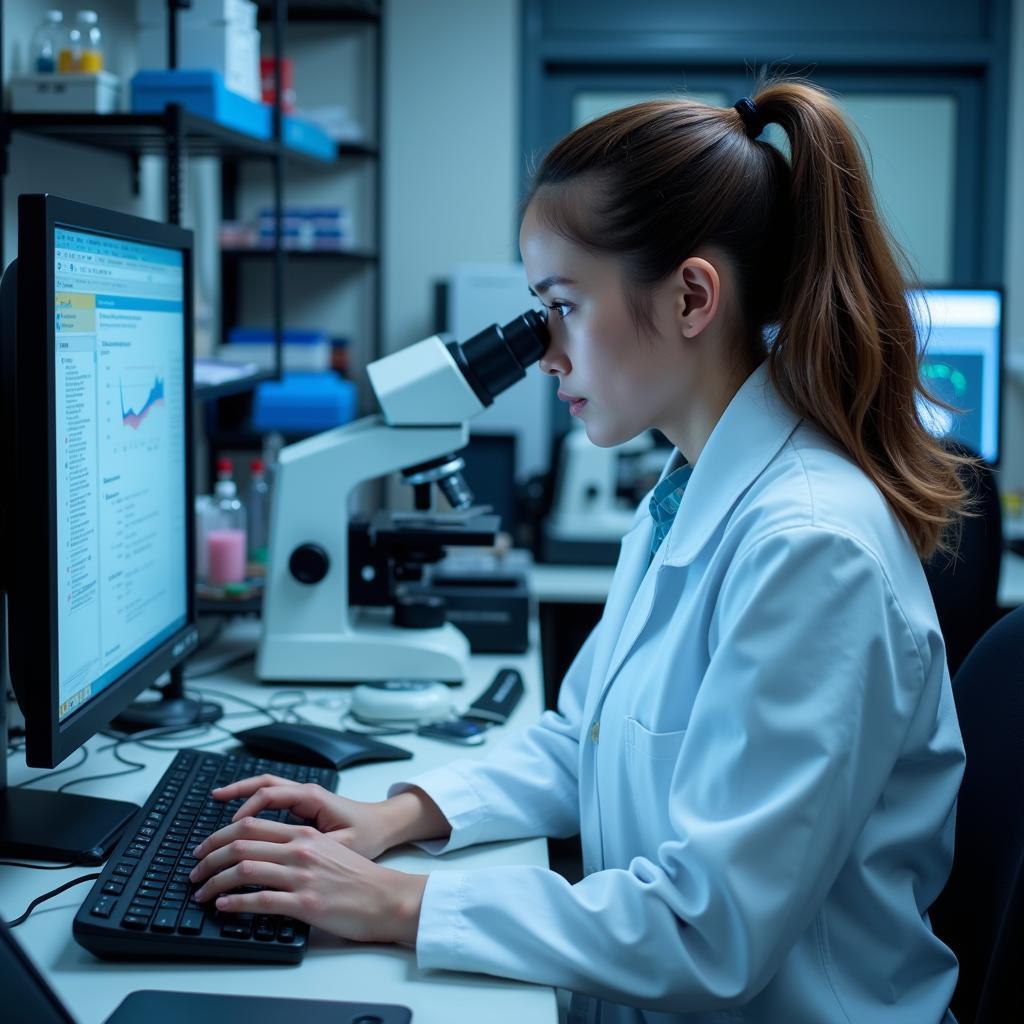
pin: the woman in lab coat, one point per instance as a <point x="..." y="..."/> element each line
<point x="757" y="743"/>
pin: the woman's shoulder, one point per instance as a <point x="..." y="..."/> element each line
<point x="813" y="483"/>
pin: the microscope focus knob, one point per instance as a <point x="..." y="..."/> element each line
<point x="419" y="611"/>
<point x="309" y="563"/>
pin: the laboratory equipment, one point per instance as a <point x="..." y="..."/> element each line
<point x="334" y="606"/>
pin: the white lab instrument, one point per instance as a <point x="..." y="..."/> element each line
<point x="337" y="605"/>
<point x="588" y="519"/>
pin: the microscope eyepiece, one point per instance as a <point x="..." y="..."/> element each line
<point x="497" y="357"/>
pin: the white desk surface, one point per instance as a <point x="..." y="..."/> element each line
<point x="333" y="968"/>
<point x="588" y="584"/>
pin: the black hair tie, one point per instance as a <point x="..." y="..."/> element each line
<point x="753" y="120"/>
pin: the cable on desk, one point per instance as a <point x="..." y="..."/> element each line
<point x="49" y="896"/>
<point x="38" y="867"/>
<point x="57" y="771"/>
<point x="205" y="691"/>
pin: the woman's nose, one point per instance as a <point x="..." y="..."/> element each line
<point x="553" y="361"/>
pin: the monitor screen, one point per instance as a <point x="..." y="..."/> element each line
<point x="119" y="391"/>
<point x="960" y="331"/>
<point x="96" y="381"/>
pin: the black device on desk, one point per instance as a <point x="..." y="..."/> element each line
<point x="30" y="1000"/>
<point x="96" y="518"/>
<point x="318" y="745"/>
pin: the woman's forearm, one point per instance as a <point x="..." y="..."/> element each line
<point x="415" y="817"/>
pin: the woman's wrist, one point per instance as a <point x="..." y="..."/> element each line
<point x="413" y="816"/>
<point x="406" y="899"/>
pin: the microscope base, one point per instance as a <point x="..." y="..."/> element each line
<point x="369" y="651"/>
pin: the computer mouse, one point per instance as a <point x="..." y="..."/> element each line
<point x="318" y="745"/>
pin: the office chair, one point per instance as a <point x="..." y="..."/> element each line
<point x="980" y="913"/>
<point x="965" y="584"/>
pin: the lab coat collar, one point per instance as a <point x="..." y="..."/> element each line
<point x="752" y="430"/>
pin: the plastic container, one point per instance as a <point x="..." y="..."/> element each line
<point x="47" y="42"/>
<point x="202" y="93"/>
<point x="83" y="48"/>
<point x="259" y="512"/>
<point x="303" y="403"/>
<point x="225" y="531"/>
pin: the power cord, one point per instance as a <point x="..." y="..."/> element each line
<point x="49" y="896"/>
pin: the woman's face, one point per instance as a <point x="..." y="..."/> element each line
<point x="628" y="384"/>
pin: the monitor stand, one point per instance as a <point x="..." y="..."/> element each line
<point x="172" y="710"/>
<point x="45" y="825"/>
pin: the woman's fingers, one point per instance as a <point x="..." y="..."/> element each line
<point x="245" y="873"/>
<point x="304" y="799"/>
<point x="265" y="902"/>
<point x="238" y="850"/>
<point x="246" y="787"/>
<point x="246" y="828"/>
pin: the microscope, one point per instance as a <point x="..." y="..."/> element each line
<point x="340" y="600"/>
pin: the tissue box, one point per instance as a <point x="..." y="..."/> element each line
<point x="92" y="93"/>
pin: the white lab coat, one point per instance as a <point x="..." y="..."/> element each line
<point x="759" y="748"/>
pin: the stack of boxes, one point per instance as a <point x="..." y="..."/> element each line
<point x="217" y="35"/>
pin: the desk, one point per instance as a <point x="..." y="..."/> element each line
<point x="333" y="968"/>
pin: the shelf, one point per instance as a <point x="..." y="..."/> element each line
<point x="146" y="134"/>
<point x="234" y="386"/>
<point x="306" y="255"/>
<point x="357" y="149"/>
<point x="355" y="11"/>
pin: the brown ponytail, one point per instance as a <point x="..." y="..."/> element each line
<point x="847" y="354"/>
<point x="810" y="252"/>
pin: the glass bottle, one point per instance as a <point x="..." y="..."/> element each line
<point x="225" y="532"/>
<point x="259" y="512"/>
<point x="83" y="48"/>
<point x="47" y="41"/>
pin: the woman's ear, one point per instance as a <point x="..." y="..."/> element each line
<point x="698" y="293"/>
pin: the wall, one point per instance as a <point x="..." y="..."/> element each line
<point x="451" y="149"/>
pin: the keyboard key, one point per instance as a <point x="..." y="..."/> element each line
<point x="236" y="930"/>
<point x="165" y="921"/>
<point x="113" y="888"/>
<point x="134" y="921"/>
<point x="124" y="868"/>
<point x="191" y="922"/>
<point x="103" y="906"/>
<point x="286" y="933"/>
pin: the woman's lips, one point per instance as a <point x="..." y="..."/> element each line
<point x="575" y="403"/>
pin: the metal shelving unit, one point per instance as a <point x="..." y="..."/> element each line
<point x="177" y="134"/>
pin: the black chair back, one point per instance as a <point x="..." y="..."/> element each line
<point x="980" y="913"/>
<point x="965" y="585"/>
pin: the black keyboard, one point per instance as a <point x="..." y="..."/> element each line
<point x="143" y="905"/>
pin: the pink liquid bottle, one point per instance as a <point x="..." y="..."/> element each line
<point x="225" y="535"/>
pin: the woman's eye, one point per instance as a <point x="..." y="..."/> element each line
<point x="558" y="307"/>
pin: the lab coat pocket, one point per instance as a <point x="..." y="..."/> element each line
<point x="650" y="764"/>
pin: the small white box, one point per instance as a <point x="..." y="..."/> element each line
<point x="93" y="93"/>
<point x="152" y="13"/>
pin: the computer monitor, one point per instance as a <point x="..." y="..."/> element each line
<point x="96" y="340"/>
<point x="960" y="331"/>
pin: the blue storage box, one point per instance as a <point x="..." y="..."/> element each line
<point x="307" y="137"/>
<point x="202" y="93"/>
<point x="303" y="402"/>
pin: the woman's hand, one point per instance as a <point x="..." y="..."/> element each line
<point x="311" y="877"/>
<point x="367" y="828"/>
